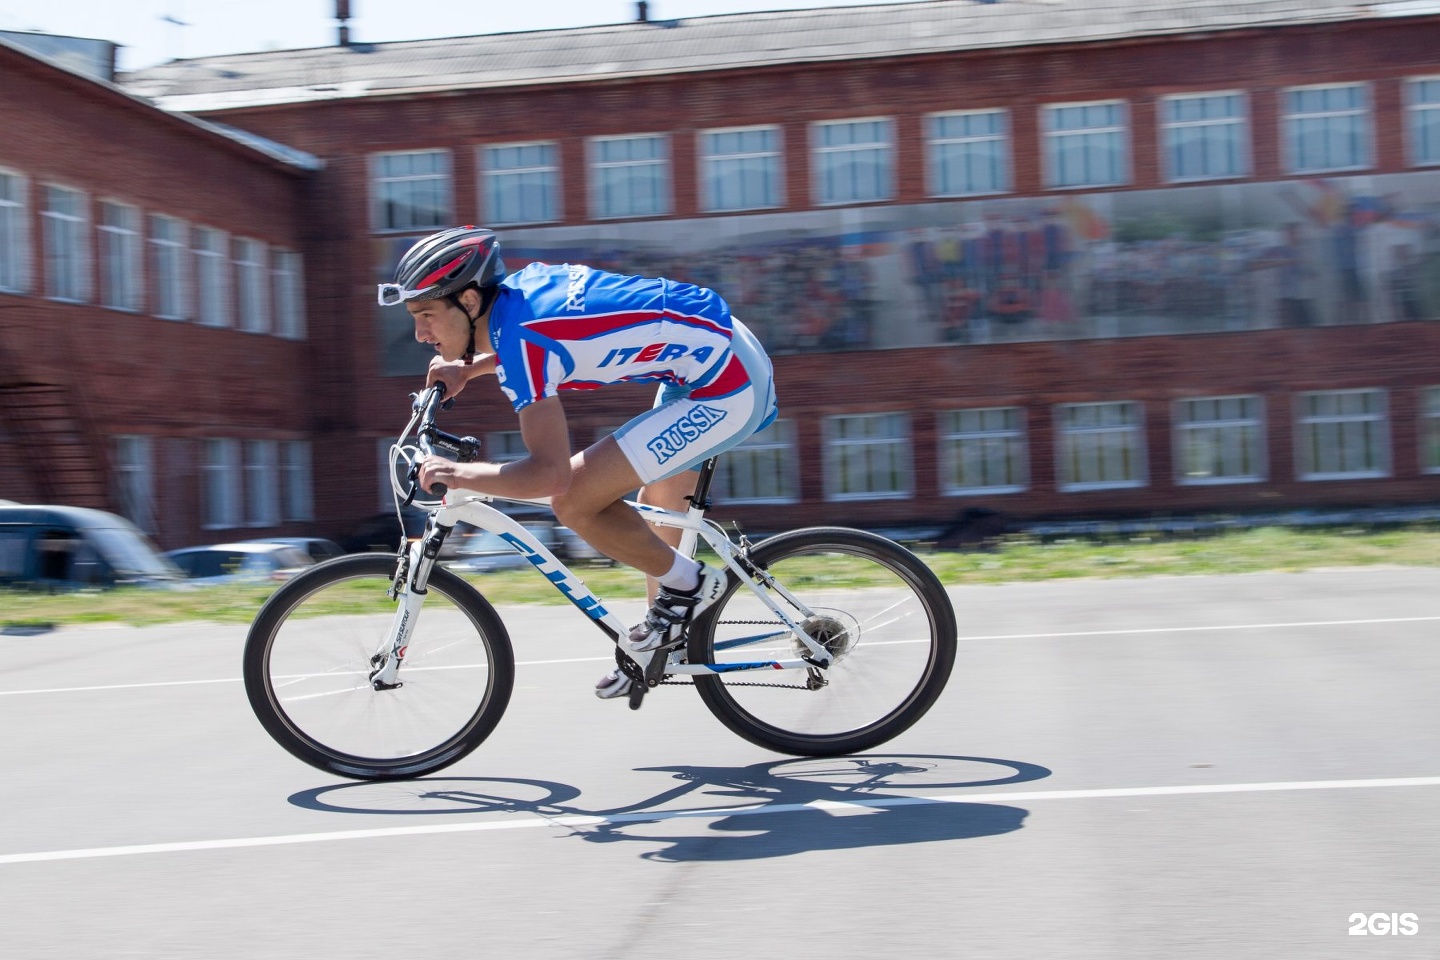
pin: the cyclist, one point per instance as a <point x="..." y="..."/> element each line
<point x="549" y="329"/>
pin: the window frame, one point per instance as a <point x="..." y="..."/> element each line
<point x="1136" y="428"/>
<point x="1180" y="427"/>
<point x="773" y="162"/>
<point x="215" y="307"/>
<point x="72" y="230"/>
<point x="287" y="293"/>
<point x="552" y="185"/>
<point x="169" y="284"/>
<point x="934" y="143"/>
<point x="1050" y="136"/>
<point x="296" y="480"/>
<point x="948" y="431"/>
<point x="221" y="502"/>
<point x="663" y="186"/>
<point x="755" y="450"/>
<point x="818" y="153"/>
<point x="1241" y="124"/>
<point x="1382" y="435"/>
<point x="16" y="255"/>
<point x="252" y="284"/>
<point x="1414" y="109"/>
<point x="903" y="464"/>
<point x="135" y="479"/>
<point x="121" y="249"/>
<point x="1428" y="432"/>
<point x="261" y="487"/>
<point x="1288" y="142"/>
<point x="445" y="197"/>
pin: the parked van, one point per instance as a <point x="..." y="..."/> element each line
<point x="56" y="547"/>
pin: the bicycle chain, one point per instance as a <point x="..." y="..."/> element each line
<point x="667" y="682"/>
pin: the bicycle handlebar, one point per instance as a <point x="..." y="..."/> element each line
<point x="429" y="438"/>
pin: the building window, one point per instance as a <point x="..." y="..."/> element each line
<point x="1423" y="107"/>
<point x="287" y="282"/>
<point x="220" y="495"/>
<point x="1101" y="446"/>
<point x="67" y="257"/>
<point x="969" y="153"/>
<point x="167" y="248"/>
<point x="630" y="176"/>
<point x="854" y="160"/>
<point x="741" y="169"/>
<point x="867" y="457"/>
<point x="296" y="483"/>
<point x="262" y="494"/>
<point x="1085" y="145"/>
<point x="983" y="451"/>
<point x="14" y="233"/>
<point x="120" y="279"/>
<point x="1430" y="431"/>
<point x="212" y="269"/>
<point x="503" y="446"/>
<point x="135" y="480"/>
<point x="521" y="182"/>
<point x="1343" y="434"/>
<point x="251" y="285"/>
<point x="411" y="191"/>
<point x="1327" y="128"/>
<point x="1204" y="136"/>
<point x="761" y="469"/>
<point x="1220" y="440"/>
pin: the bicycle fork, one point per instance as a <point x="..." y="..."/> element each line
<point x="412" y="574"/>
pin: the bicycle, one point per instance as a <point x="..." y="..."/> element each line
<point x="859" y="628"/>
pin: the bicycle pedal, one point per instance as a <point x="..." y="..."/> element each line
<point x="637" y="694"/>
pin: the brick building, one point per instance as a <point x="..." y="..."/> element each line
<point x="150" y="319"/>
<point x="1122" y="257"/>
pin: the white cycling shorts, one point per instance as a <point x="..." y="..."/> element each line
<point x="690" y="424"/>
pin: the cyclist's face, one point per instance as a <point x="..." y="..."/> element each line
<point x="440" y="324"/>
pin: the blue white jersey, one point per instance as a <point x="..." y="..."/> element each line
<point x="571" y="327"/>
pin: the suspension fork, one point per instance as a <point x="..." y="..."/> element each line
<point x="412" y="576"/>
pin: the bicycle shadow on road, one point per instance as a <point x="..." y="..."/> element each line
<point x="765" y="810"/>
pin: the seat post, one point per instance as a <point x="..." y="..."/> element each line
<point x="699" y="503"/>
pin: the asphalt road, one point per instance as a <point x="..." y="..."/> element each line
<point x="1180" y="768"/>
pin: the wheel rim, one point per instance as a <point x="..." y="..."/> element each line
<point x="318" y="664"/>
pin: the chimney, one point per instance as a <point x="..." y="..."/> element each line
<point x="342" y="13"/>
<point x="642" y="12"/>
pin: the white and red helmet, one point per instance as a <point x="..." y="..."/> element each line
<point x="443" y="264"/>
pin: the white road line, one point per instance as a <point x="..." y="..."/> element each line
<point x="994" y="636"/>
<point x="823" y="805"/>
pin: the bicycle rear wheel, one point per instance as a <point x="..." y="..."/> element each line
<point x="874" y="604"/>
<point x="307" y="663"/>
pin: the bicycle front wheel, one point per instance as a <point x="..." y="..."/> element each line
<point x="308" y="660"/>
<point x="877" y="607"/>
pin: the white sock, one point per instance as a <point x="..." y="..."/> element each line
<point x="684" y="574"/>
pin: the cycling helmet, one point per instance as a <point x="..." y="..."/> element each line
<point x="445" y="263"/>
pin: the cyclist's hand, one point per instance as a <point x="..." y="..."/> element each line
<point x="437" y="470"/>
<point x="455" y="373"/>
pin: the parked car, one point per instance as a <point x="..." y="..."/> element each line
<point x="318" y="548"/>
<point x="240" y="562"/>
<point x="484" y="551"/>
<point x="59" y="547"/>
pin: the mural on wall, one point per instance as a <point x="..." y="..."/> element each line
<point x="1241" y="256"/>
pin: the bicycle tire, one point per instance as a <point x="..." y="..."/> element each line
<point x="306" y="672"/>
<point x="872" y="598"/>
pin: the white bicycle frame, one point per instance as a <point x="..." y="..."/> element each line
<point x="475" y="508"/>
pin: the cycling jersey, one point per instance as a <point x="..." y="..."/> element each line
<point x="571" y="327"/>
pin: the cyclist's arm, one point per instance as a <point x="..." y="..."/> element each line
<point x="545" y="472"/>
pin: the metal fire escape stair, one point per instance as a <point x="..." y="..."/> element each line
<point x="63" y="463"/>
